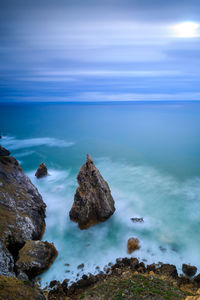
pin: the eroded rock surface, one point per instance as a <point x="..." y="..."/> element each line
<point x="93" y="202"/>
<point x="41" y="171"/>
<point x="35" y="257"/>
<point x="22" y="212"/>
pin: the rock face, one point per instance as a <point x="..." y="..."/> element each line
<point x="35" y="257"/>
<point x="132" y="245"/>
<point x="4" y="152"/>
<point x="22" y="212"/>
<point x="93" y="202"/>
<point x="41" y="171"/>
<point x="189" y="270"/>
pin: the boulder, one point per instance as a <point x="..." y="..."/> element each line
<point x="4" y="152"/>
<point x="132" y="245"/>
<point x="22" y="212"/>
<point x="167" y="270"/>
<point x="41" y="171"/>
<point x="35" y="257"/>
<point x="189" y="270"/>
<point x="93" y="202"/>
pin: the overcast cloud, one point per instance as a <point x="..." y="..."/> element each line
<point x="70" y="50"/>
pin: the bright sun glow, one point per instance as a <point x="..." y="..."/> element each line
<point x="186" y="30"/>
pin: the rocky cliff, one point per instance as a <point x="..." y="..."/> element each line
<point x="22" y="212"/>
<point x="93" y="202"/>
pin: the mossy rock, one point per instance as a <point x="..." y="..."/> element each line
<point x="14" y="289"/>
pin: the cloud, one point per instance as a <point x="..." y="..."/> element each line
<point x="54" y="48"/>
<point x="98" y="96"/>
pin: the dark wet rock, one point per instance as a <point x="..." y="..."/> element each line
<point x="137" y="220"/>
<point x="12" y="288"/>
<point x="4" y="151"/>
<point x="134" y="264"/>
<point x="82" y="283"/>
<point x="189" y="270"/>
<point x="93" y="202"/>
<point x="167" y="270"/>
<point x="54" y="283"/>
<point x="65" y="285"/>
<point x="141" y="268"/>
<point x="132" y="245"/>
<point x="183" y="280"/>
<point x="162" y="249"/>
<point x="22" y="212"/>
<point x="41" y="171"/>
<point x="151" y="267"/>
<point x="35" y="257"/>
<point x="56" y="291"/>
<point x="81" y="266"/>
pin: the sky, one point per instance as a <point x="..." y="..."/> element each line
<point x="91" y="50"/>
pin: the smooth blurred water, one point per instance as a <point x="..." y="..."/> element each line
<point x="149" y="153"/>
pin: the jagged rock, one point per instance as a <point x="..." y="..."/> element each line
<point x="189" y="270"/>
<point x="4" y="152"/>
<point x="41" y="171"/>
<point x="35" y="257"/>
<point x="12" y="288"/>
<point x="93" y="202"/>
<point x="132" y="245"/>
<point x="22" y="211"/>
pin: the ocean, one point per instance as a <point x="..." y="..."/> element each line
<point x="148" y="152"/>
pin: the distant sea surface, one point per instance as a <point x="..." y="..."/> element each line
<point x="148" y="152"/>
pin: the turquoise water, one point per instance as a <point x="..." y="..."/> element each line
<point x="148" y="152"/>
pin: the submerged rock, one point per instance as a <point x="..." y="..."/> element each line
<point x="93" y="202"/>
<point x="22" y="212"/>
<point x="189" y="270"/>
<point x="137" y="220"/>
<point x="132" y="245"/>
<point x="4" y="152"/>
<point x="35" y="257"/>
<point x="41" y="171"/>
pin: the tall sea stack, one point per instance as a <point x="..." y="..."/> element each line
<point x="93" y="202"/>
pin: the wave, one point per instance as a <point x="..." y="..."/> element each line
<point x="13" y="143"/>
<point x="170" y="208"/>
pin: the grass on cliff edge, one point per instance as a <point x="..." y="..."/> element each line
<point x="134" y="287"/>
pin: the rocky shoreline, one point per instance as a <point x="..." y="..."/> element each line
<point x="23" y="256"/>
<point x="124" y="269"/>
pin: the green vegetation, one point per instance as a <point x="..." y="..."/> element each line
<point x="134" y="287"/>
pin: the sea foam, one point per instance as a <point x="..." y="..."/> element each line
<point x="170" y="232"/>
